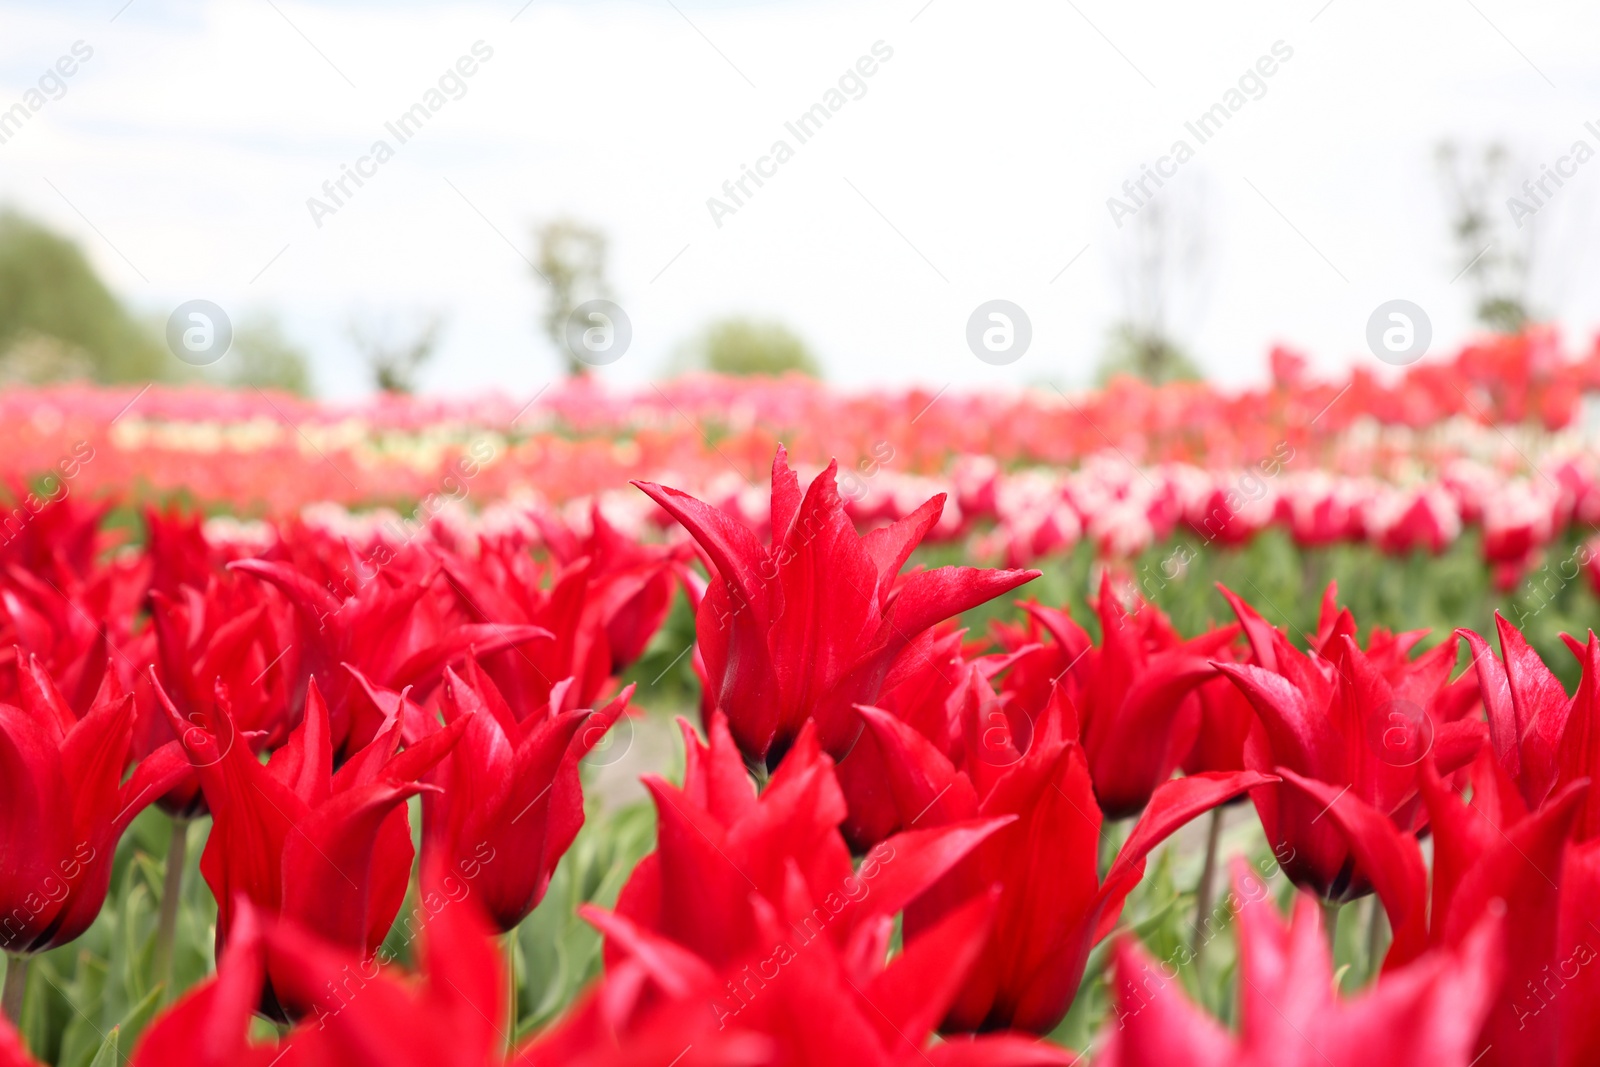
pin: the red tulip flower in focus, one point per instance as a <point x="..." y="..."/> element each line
<point x="329" y="850"/>
<point x="1493" y="856"/>
<point x="751" y="920"/>
<point x="1543" y="739"/>
<point x="924" y="689"/>
<point x="1054" y="907"/>
<point x="1291" y="1015"/>
<point x="802" y="1003"/>
<point x="64" y="805"/>
<point x="1134" y="692"/>
<point x="206" y="641"/>
<point x="511" y="802"/>
<point x="388" y="630"/>
<point x="808" y="627"/>
<point x="364" y="1015"/>
<point x="726" y="857"/>
<point x="1338" y="718"/>
<point x="633" y="583"/>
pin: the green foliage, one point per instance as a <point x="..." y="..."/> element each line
<point x="263" y="357"/>
<point x="58" y="320"/>
<point x="572" y="268"/>
<point x="557" y="952"/>
<point x="1285" y="583"/>
<point x="395" y="353"/>
<point x="744" y="346"/>
<point x="1147" y="354"/>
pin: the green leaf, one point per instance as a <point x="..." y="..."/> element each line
<point x="108" y="1055"/>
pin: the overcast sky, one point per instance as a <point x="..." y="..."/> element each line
<point x="975" y="164"/>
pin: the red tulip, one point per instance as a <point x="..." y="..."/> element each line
<point x="366" y="1015"/>
<point x="804" y="1003"/>
<point x="924" y="689"/>
<point x="12" y="1051"/>
<point x="208" y="641"/>
<point x="1290" y="1012"/>
<point x="382" y="631"/>
<point x="1492" y="849"/>
<point x="61" y="537"/>
<point x="807" y="628"/>
<point x="506" y="584"/>
<point x="78" y="626"/>
<point x="632" y="590"/>
<point x="726" y="858"/>
<point x="1134" y="692"/>
<point x="511" y="803"/>
<point x="1335" y="718"/>
<point x="1054" y="906"/>
<point x="179" y="553"/>
<point x="64" y="805"/>
<point x="1492" y="854"/>
<point x="329" y="850"/>
<point x="1542" y="738"/>
<point x="1226" y="719"/>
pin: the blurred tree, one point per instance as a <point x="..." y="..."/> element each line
<point x="572" y="266"/>
<point x="58" y="320"/>
<point x="1147" y="354"/>
<point x="263" y="357"/>
<point x="746" y="346"/>
<point x="1495" y="258"/>
<point x="396" y="355"/>
<point x="1161" y="271"/>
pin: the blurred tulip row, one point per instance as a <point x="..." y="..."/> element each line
<point x="894" y="840"/>
<point x="1501" y="442"/>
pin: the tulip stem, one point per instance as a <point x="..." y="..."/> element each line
<point x="511" y="974"/>
<point x="1107" y="830"/>
<point x="171" y="897"/>
<point x="1330" y="919"/>
<point x="16" y="986"/>
<point x="1203" y="891"/>
<point x="1375" y="923"/>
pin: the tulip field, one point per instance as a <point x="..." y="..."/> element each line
<point x="759" y="722"/>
